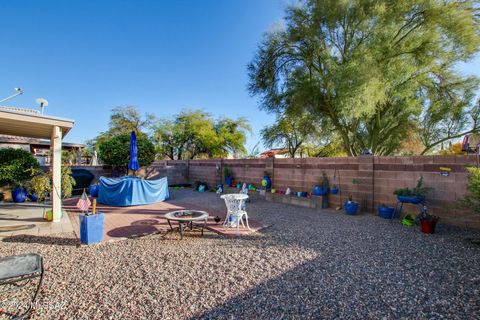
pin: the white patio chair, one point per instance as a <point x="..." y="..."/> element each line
<point x="235" y="203"/>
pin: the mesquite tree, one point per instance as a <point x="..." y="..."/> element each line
<point x="375" y="70"/>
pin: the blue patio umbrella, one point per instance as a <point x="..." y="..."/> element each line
<point x="133" y="164"/>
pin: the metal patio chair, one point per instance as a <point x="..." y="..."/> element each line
<point x="16" y="272"/>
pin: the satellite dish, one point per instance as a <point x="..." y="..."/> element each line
<point x="42" y="102"/>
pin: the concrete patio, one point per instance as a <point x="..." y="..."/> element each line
<point x="27" y="218"/>
<point x="134" y="221"/>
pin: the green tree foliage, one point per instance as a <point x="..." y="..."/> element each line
<point x="41" y="184"/>
<point x="16" y="165"/>
<point x="194" y="134"/>
<point x="472" y="197"/>
<point x="291" y="132"/>
<point x="115" y="151"/>
<point x="124" y="120"/>
<point x="373" y="69"/>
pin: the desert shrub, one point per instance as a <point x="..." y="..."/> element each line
<point x="16" y="165"/>
<point x="471" y="200"/>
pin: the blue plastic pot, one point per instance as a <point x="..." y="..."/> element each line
<point x="411" y="199"/>
<point x="266" y="182"/>
<point x="228" y="181"/>
<point x="94" y="189"/>
<point x="351" y="207"/>
<point x="386" y="212"/>
<point x="334" y="190"/>
<point x="19" y="195"/>
<point x="91" y="228"/>
<point x="320" y="191"/>
<point x="33" y="197"/>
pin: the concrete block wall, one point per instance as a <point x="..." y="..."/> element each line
<point x="369" y="180"/>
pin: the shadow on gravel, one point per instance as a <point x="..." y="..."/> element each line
<point x="305" y="292"/>
<point x="42" y="240"/>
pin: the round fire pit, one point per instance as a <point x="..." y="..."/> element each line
<point x="186" y="219"/>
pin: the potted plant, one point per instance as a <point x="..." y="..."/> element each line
<point x="201" y="186"/>
<point x="41" y="186"/>
<point x="266" y="182"/>
<point x="385" y="212"/>
<point x="323" y="187"/>
<point x="428" y="222"/>
<point x="415" y="195"/>
<point x="93" y="190"/>
<point x="228" y="176"/>
<point x="334" y="189"/>
<point x="19" y="193"/>
<point x="351" y="207"/>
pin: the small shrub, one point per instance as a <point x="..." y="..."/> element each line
<point x="41" y="184"/>
<point x="16" y="165"/>
<point x="419" y="191"/>
<point x="471" y="200"/>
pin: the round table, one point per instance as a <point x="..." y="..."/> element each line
<point x="185" y="219"/>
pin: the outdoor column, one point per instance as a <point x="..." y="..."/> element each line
<point x="56" y="145"/>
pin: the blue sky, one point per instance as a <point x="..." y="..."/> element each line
<point x="87" y="57"/>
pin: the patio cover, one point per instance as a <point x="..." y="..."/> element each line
<point x="27" y="123"/>
<point x="131" y="191"/>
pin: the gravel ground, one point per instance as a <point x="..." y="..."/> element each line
<point x="306" y="265"/>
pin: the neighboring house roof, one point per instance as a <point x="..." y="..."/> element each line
<point x="272" y="153"/>
<point x="25" y="140"/>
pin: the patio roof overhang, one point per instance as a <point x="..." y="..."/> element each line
<point x="35" y="125"/>
<point x="31" y="125"/>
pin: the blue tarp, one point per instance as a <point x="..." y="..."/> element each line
<point x="131" y="191"/>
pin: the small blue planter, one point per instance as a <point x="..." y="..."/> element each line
<point x="228" y="181"/>
<point x="386" y="212"/>
<point x="411" y="199"/>
<point x="91" y="228"/>
<point x="94" y="189"/>
<point x="320" y="191"/>
<point x="266" y="182"/>
<point x="351" y="207"/>
<point x="334" y="190"/>
<point x="19" y="195"/>
<point x="33" y="197"/>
